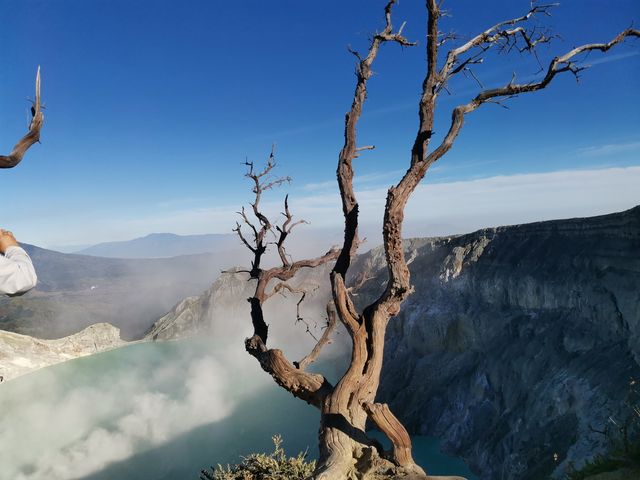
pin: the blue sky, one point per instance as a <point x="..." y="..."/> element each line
<point x="152" y="106"/>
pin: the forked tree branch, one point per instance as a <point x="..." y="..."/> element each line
<point x="324" y="340"/>
<point x="284" y="231"/>
<point x="560" y="64"/>
<point x="493" y="35"/>
<point x="350" y="149"/>
<point x="33" y="136"/>
<point x="261" y="182"/>
<point x="310" y="387"/>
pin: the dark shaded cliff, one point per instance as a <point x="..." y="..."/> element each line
<point x="516" y="340"/>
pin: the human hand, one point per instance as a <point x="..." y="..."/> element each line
<point x="7" y="240"/>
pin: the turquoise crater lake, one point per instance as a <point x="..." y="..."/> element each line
<point x="158" y="411"/>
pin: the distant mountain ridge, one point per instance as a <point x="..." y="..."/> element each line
<point x="164" y="245"/>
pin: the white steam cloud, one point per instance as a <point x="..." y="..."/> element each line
<point x="65" y="434"/>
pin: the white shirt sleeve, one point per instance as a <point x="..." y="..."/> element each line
<point x="17" y="274"/>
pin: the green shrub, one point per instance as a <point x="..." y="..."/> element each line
<point x="261" y="466"/>
<point x="601" y="464"/>
<point x="623" y="436"/>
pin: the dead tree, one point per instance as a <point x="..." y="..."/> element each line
<point x="345" y="450"/>
<point x="32" y="136"/>
<point x="308" y="386"/>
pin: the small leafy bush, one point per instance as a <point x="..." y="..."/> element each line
<point x="261" y="466"/>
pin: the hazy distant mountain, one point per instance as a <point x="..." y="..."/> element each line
<point x="75" y="291"/>
<point x="164" y="245"/>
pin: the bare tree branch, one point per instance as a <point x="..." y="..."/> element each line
<point x="349" y="150"/>
<point x="246" y="220"/>
<point x="491" y="36"/>
<point x="280" y="288"/>
<point x="285" y="230"/>
<point x="310" y="387"/>
<point x="33" y="136"/>
<point x="561" y="64"/>
<point x="325" y="339"/>
<point x="362" y="149"/>
<point x="238" y="230"/>
<point x="261" y="183"/>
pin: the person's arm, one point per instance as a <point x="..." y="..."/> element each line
<point x="17" y="274"/>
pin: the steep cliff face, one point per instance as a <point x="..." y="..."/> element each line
<point x="517" y="340"/>
<point x="20" y="354"/>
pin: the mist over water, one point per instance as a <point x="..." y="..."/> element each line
<point x="74" y="419"/>
<point x="152" y="410"/>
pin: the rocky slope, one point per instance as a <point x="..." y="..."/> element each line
<point x="20" y="354"/>
<point x="515" y="343"/>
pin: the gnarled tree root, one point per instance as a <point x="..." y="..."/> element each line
<point x="371" y="466"/>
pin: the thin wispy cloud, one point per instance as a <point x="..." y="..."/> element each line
<point x="320" y="185"/>
<point x="360" y="180"/>
<point x="287" y="132"/>
<point x="463" y="206"/>
<point x="176" y="202"/>
<point x="609" y="149"/>
<point x="474" y="203"/>
<point x="453" y="166"/>
<point x="609" y="58"/>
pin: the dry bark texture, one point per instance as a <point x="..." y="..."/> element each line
<point x="346" y="452"/>
<point x="32" y="136"/>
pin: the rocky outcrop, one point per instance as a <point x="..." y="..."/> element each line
<point x="20" y="354"/>
<point x="211" y="312"/>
